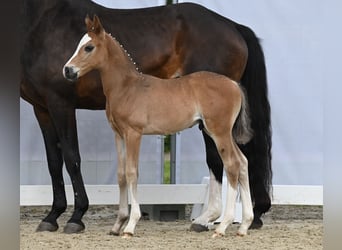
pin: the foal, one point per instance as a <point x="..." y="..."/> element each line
<point x="138" y="104"/>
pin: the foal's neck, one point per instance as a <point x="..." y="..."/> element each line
<point x="120" y="69"/>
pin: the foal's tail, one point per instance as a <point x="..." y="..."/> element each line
<point x="242" y="130"/>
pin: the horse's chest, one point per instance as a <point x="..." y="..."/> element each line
<point x="121" y="118"/>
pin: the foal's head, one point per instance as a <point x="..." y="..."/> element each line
<point x="91" y="51"/>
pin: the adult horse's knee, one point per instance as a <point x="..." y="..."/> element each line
<point x="73" y="164"/>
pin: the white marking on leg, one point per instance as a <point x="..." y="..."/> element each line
<point x="135" y="210"/>
<point x="123" y="211"/>
<point x="247" y="206"/>
<point x="229" y="211"/>
<point x="132" y="142"/>
<point x="214" y="208"/>
<point x="123" y="207"/>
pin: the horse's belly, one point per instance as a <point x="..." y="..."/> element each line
<point x="169" y="124"/>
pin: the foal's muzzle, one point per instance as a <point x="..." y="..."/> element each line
<point x="70" y="73"/>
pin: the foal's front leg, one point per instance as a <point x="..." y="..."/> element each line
<point x="132" y="142"/>
<point x="123" y="207"/>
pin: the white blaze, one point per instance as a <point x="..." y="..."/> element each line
<point x="86" y="38"/>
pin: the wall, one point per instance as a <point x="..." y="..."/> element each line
<point x="290" y="34"/>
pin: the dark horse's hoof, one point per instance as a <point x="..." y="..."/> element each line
<point x="73" y="228"/>
<point x="113" y="233"/>
<point x="198" y="228"/>
<point x="47" y="226"/>
<point x="256" y="224"/>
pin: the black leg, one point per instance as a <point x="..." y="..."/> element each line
<point x="55" y="164"/>
<point x="213" y="158"/>
<point x="65" y="122"/>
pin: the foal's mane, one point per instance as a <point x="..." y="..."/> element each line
<point x="127" y="54"/>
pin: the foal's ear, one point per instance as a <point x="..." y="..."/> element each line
<point x="97" y="24"/>
<point x="89" y="23"/>
<point x="94" y="25"/>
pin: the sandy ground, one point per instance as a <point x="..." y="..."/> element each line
<point x="285" y="227"/>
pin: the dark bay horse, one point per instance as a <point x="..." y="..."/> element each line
<point x="138" y="104"/>
<point x="166" y="41"/>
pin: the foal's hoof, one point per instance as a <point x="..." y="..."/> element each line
<point x="127" y="235"/>
<point x="47" y="227"/>
<point x="256" y="224"/>
<point x="198" y="228"/>
<point x="241" y="234"/>
<point x="72" y="228"/>
<point x="217" y="235"/>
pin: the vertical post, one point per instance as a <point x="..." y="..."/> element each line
<point x="171" y="2"/>
<point x="173" y="158"/>
<point x="162" y="158"/>
<point x="175" y="153"/>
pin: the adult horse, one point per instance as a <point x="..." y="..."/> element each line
<point x="166" y="41"/>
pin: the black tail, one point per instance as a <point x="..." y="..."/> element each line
<point x="258" y="150"/>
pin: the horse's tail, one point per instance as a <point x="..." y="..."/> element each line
<point x="242" y="130"/>
<point x="258" y="150"/>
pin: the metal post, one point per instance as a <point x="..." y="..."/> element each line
<point x="162" y="158"/>
<point x="173" y="150"/>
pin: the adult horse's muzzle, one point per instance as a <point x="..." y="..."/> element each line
<point x="70" y="73"/>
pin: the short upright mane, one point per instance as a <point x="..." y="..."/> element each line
<point x="124" y="50"/>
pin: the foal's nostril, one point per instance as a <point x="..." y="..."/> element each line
<point x="66" y="71"/>
<point x="69" y="73"/>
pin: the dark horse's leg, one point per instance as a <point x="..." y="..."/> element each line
<point x="65" y="121"/>
<point x="60" y="137"/>
<point x="55" y="164"/>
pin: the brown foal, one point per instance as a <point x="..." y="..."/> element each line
<point x="138" y="104"/>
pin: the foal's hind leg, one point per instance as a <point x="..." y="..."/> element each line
<point x="232" y="166"/>
<point x="123" y="207"/>
<point x="247" y="206"/>
<point x="214" y="207"/>
<point x="236" y="167"/>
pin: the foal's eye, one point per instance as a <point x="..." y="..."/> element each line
<point x="89" y="48"/>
